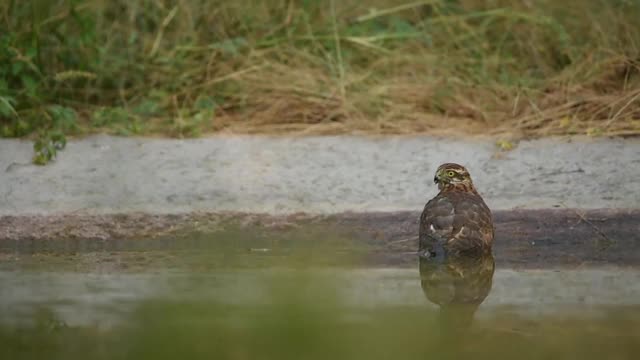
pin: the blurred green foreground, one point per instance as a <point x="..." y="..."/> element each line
<point x="302" y="318"/>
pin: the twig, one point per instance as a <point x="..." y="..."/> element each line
<point x="593" y="226"/>
<point x="64" y="14"/>
<point x="615" y="117"/>
<point x="379" y="13"/>
<point x="163" y="26"/>
<point x="224" y="78"/>
<point x="597" y="229"/>
<point x="338" y="49"/>
<point x="403" y="240"/>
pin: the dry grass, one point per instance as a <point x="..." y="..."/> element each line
<point x="184" y="68"/>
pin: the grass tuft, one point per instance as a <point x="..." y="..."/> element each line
<point x="185" y="68"/>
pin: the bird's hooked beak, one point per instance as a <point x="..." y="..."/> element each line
<point x="438" y="178"/>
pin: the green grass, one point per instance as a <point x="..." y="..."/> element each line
<point x="187" y="68"/>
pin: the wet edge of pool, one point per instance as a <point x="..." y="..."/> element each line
<point x="524" y="238"/>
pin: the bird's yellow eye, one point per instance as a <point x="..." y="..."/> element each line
<point x="450" y="173"/>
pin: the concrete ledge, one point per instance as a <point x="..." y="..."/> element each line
<point x="322" y="175"/>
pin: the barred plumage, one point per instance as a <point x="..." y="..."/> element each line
<point x="457" y="220"/>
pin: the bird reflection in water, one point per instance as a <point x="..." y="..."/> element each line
<point x="458" y="285"/>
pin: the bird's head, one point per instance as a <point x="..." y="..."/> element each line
<point x="452" y="176"/>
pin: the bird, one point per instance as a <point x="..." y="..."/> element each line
<point x="456" y="221"/>
<point x="457" y="285"/>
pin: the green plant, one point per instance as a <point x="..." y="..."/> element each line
<point x="46" y="147"/>
<point x="382" y="66"/>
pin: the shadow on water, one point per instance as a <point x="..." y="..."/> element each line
<point x="458" y="285"/>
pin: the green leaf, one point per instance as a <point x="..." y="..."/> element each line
<point x="401" y="26"/>
<point x="231" y="46"/>
<point x="16" y="68"/>
<point x="158" y="94"/>
<point x="22" y="127"/>
<point x="4" y="87"/>
<point x="6" y="106"/>
<point x="7" y="131"/>
<point x="110" y="116"/>
<point x="30" y="85"/>
<point x="64" y="118"/>
<point x="147" y="108"/>
<point x="58" y="140"/>
<point x="46" y="147"/>
<point x="203" y="116"/>
<point x="44" y="152"/>
<point x="40" y="159"/>
<point x="204" y="102"/>
<point x="32" y="52"/>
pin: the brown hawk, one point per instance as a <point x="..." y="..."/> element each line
<point x="458" y="285"/>
<point x="456" y="221"/>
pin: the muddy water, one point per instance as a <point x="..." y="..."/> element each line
<point x="102" y="299"/>
<point x="101" y="288"/>
<point x="268" y="295"/>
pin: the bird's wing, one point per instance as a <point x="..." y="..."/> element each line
<point x="436" y="223"/>
<point x="472" y="227"/>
